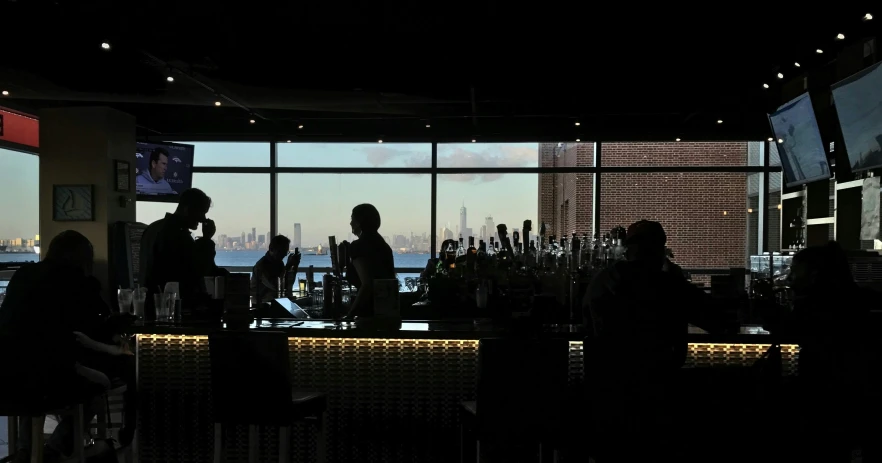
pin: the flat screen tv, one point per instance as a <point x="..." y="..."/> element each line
<point x="858" y="101"/>
<point x="162" y="171"/>
<point x="799" y="142"/>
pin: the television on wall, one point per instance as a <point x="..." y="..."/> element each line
<point x="858" y="101"/>
<point x="162" y="171"/>
<point x="798" y="138"/>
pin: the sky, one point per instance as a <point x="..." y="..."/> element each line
<point x="322" y="203"/>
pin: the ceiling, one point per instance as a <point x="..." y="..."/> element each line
<point x="374" y="70"/>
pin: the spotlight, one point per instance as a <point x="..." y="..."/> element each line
<point x="819" y="51"/>
<point x="780" y="76"/>
<point x="105" y="46"/>
<point x="217" y="103"/>
<point x="840" y="36"/>
<point x="765" y="85"/>
<point x="867" y="17"/>
<point x="170" y="79"/>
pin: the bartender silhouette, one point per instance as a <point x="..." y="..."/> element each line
<point x="371" y="258"/>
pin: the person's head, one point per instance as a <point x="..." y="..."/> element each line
<point x="820" y="268"/>
<point x="645" y="240"/>
<point x="365" y="218"/>
<point x="192" y="207"/>
<point x="279" y="246"/>
<point x="158" y="163"/>
<point x="72" y="248"/>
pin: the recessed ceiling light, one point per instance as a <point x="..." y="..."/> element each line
<point x="765" y="85"/>
<point x="840" y="36"/>
<point x="676" y="139"/>
<point x="780" y="76"/>
<point x="819" y="51"/>
<point x="289" y="141"/>
<point x="217" y="103"/>
<point x="252" y="121"/>
<point x="473" y="140"/>
<point x="105" y="46"/>
<point x="379" y="141"/>
<point x="578" y="139"/>
<point x="5" y="93"/>
<point x="578" y="123"/>
<point x="771" y="139"/>
<point x="170" y="79"/>
<point x="868" y="17"/>
<point x="300" y="126"/>
<point x="780" y="140"/>
<point x="428" y="125"/>
<point x="796" y="64"/>
<point x="719" y="121"/>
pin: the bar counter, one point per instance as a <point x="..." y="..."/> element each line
<point x="393" y="395"/>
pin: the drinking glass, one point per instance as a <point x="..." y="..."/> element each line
<point x="139" y="297"/>
<point x="302" y="285"/>
<point x="168" y="302"/>
<point x="124" y="297"/>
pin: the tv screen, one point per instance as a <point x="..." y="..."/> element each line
<point x="800" y="147"/>
<point x="162" y="170"/>
<point x="858" y="101"/>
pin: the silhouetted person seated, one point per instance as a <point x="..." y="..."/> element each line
<point x="371" y="259"/>
<point x="170" y="254"/>
<point x="639" y="314"/>
<point x="271" y="268"/>
<point x="829" y="319"/>
<point x="62" y="332"/>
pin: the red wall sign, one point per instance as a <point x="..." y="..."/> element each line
<point x="21" y="129"/>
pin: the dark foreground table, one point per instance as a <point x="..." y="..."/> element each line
<point x="392" y="395"/>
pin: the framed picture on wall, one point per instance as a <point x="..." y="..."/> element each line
<point x="121" y="176"/>
<point x="73" y="203"/>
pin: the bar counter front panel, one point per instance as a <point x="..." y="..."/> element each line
<point x="392" y="397"/>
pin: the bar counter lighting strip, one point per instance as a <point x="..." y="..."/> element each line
<point x="384" y="395"/>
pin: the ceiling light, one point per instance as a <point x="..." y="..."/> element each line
<point x="719" y="121"/>
<point x="819" y="51"/>
<point x="780" y="140"/>
<point x="300" y="126"/>
<point x="771" y="139"/>
<point x="578" y="124"/>
<point x="868" y="17"/>
<point x="796" y="64"/>
<point x="840" y="36"/>
<point x="217" y="103"/>
<point x="428" y="125"/>
<point x="105" y="46"/>
<point x="749" y="210"/>
<point x="473" y="140"/>
<point x="5" y="93"/>
<point x="780" y="76"/>
<point x="725" y="213"/>
<point x="252" y="121"/>
<point x="379" y="141"/>
<point x="765" y="85"/>
<point x="676" y="139"/>
<point x="578" y="139"/>
<point x="289" y="141"/>
<point x="779" y="207"/>
<point x="170" y="79"/>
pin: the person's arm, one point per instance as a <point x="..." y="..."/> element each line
<point x="290" y="272"/>
<point x="99" y="347"/>
<point x="366" y="291"/>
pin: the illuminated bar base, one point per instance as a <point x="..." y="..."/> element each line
<point x="389" y="400"/>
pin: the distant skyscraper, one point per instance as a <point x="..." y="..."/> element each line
<point x="261" y="239"/>
<point x="462" y="219"/>
<point x="253" y="234"/>
<point x="242" y="243"/>
<point x="491" y="227"/>
<point x="298" y="237"/>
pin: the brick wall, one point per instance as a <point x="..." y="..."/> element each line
<point x="565" y="200"/>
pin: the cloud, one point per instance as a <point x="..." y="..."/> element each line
<point x="380" y="155"/>
<point x="485" y="156"/>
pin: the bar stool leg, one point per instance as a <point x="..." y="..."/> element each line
<point x="252" y="444"/>
<point x="218" y="443"/>
<point x="284" y="444"/>
<point x="79" y="447"/>
<point x="37" y="438"/>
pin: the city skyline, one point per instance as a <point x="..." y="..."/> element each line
<point x="322" y="203"/>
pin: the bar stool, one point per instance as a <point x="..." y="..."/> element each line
<point x="521" y="395"/>
<point x="251" y="385"/>
<point x="104" y="419"/>
<point x="37" y="411"/>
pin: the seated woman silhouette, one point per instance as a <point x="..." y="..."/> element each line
<point x="371" y="259"/>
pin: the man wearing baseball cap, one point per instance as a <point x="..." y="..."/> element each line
<point x="640" y="313"/>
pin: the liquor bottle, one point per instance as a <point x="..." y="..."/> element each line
<point x="491" y="250"/>
<point x="575" y="252"/>
<point x="461" y="251"/>
<point x="530" y="258"/>
<point x="471" y="256"/>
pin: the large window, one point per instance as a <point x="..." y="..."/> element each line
<point x="19" y="209"/>
<point x="355" y="155"/>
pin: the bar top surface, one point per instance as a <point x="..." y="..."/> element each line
<point x="460" y="329"/>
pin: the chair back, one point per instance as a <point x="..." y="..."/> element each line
<point x="250" y="377"/>
<point x="522" y="386"/>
